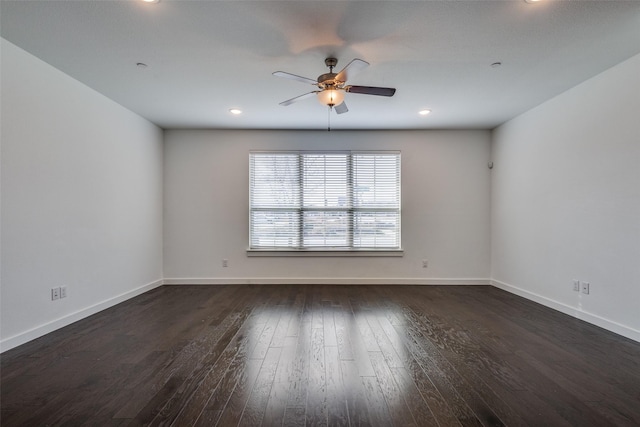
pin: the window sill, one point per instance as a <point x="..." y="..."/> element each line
<point x="324" y="253"/>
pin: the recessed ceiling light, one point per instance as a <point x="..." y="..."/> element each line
<point x="235" y="111"/>
<point x="424" y="112"/>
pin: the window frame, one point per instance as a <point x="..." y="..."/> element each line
<point x="350" y="210"/>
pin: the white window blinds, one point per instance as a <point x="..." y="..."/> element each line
<point x="324" y="200"/>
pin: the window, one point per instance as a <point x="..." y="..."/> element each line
<point x="324" y="200"/>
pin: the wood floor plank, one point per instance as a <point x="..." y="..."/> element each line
<point x="376" y="403"/>
<point x="398" y="409"/>
<point x="360" y="311"/>
<point x="415" y="403"/>
<point x="284" y="375"/>
<point x="255" y="407"/>
<point x="360" y="348"/>
<point x="337" y="412"/>
<point x="294" y="417"/>
<point x="439" y="406"/>
<point x="329" y="325"/>
<point x="316" y="412"/>
<point x="344" y="335"/>
<point x="288" y="312"/>
<point x="390" y="352"/>
<point x="239" y="370"/>
<point x="234" y="408"/>
<point x="297" y="310"/>
<point x="356" y="399"/>
<point x="299" y="384"/>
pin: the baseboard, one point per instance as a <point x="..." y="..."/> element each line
<point x="607" y="324"/>
<point x="24" y="337"/>
<point x="31" y="334"/>
<point x="322" y="281"/>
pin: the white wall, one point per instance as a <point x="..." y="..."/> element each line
<point x="445" y="208"/>
<point x="81" y="199"/>
<point x="566" y="201"/>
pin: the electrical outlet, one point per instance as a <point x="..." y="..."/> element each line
<point x="63" y="291"/>
<point x="576" y="285"/>
<point x="225" y="262"/>
<point x="585" y="288"/>
<point x="425" y="263"/>
<point x="55" y="294"/>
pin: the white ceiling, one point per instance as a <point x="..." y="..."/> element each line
<point x="205" y="57"/>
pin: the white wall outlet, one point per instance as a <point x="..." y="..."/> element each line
<point x="425" y="263"/>
<point x="576" y="285"/>
<point x="55" y="294"/>
<point x="63" y="291"/>
<point x="225" y="262"/>
<point x="585" y="288"/>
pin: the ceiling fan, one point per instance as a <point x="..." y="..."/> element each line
<point x="332" y="86"/>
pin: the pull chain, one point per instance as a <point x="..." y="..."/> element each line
<point x="329" y="120"/>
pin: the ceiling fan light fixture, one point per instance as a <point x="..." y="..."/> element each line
<point x="331" y="97"/>
<point x="333" y="85"/>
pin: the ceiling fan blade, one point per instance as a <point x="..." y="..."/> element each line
<point x="298" y="98"/>
<point x="341" y="108"/>
<point x="371" y="90"/>
<point x="295" y="77"/>
<point x="352" y="68"/>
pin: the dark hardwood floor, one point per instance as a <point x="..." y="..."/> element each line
<point x="324" y="355"/>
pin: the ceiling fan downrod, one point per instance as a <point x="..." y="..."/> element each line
<point x="331" y="62"/>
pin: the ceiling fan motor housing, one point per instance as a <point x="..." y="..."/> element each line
<point x="327" y="79"/>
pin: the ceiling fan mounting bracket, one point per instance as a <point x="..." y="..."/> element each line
<point x="331" y="62"/>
